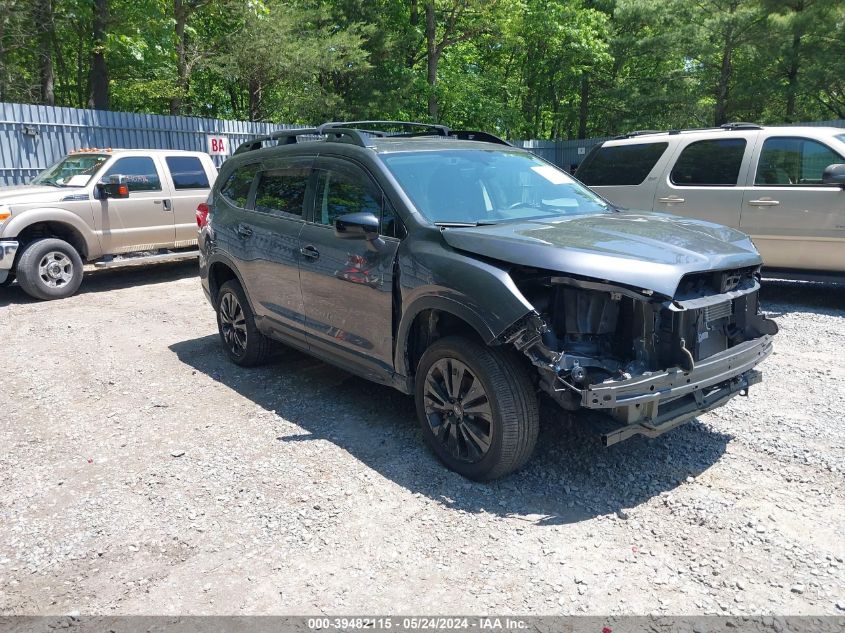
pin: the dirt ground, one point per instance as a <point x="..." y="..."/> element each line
<point x="141" y="473"/>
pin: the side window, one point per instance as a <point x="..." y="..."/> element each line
<point x="282" y="190"/>
<point x="712" y="162"/>
<point x="342" y="192"/>
<point x="139" y="173"/>
<point x="793" y="161"/>
<point x="187" y="172"/>
<point x="236" y="188"/>
<point x="620" y="164"/>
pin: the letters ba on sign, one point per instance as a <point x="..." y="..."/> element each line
<point x="218" y="145"/>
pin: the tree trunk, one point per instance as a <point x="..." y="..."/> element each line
<point x="99" y="74"/>
<point x="792" y="79"/>
<point x="584" y="106"/>
<point x="254" y="100"/>
<point x="44" y="22"/>
<point x="180" y="13"/>
<point x="720" y="113"/>
<point x="433" y="57"/>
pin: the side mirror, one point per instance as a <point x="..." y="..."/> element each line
<point x="114" y="188"/>
<point x="834" y="175"/>
<point x="356" y="226"/>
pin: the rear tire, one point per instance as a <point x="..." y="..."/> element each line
<point x="477" y="408"/>
<point x="49" y="268"/>
<point x="244" y="344"/>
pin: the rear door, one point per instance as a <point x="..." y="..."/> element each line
<point x="144" y="220"/>
<point x="190" y="183"/>
<point x="705" y="178"/>
<point x="270" y="233"/>
<point x="795" y="221"/>
<point x="625" y="174"/>
<point x="347" y="285"/>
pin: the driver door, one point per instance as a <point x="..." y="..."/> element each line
<point x="143" y="221"/>
<point x="347" y="285"/>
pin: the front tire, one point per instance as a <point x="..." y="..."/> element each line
<point x="477" y="408"/>
<point x="49" y="269"/>
<point x="244" y="344"/>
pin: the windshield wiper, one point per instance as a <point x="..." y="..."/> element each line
<point x="463" y="224"/>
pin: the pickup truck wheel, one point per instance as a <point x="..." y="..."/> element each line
<point x="477" y="408"/>
<point x="49" y="269"/>
<point x="244" y="344"/>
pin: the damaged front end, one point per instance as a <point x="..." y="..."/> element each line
<point x="650" y="362"/>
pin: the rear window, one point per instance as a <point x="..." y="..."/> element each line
<point x="187" y="172"/>
<point x="282" y="190"/>
<point x="709" y="163"/>
<point x="620" y="164"/>
<point x="236" y="188"/>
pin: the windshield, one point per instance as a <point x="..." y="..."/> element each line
<point x="72" y="171"/>
<point x="478" y="186"/>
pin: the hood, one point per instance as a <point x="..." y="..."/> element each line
<point x="29" y="194"/>
<point x="650" y="251"/>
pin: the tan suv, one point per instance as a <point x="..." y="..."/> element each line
<point x="784" y="186"/>
<point x="107" y="207"/>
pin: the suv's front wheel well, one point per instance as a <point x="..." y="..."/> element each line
<point x="431" y="325"/>
<point x="219" y="274"/>
<point x="59" y="230"/>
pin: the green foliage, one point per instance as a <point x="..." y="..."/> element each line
<point x="522" y="68"/>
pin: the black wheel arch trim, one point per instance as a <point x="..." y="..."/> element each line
<point x="220" y="258"/>
<point x="444" y="304"/>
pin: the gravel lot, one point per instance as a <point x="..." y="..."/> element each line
<point x="141" y="473"/>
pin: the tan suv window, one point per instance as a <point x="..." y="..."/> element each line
<point x="793" y="161"/>
<point x="709" y="163"/>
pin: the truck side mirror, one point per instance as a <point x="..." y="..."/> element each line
<point x="834" y="175"/>
<point x="115" y="187"/>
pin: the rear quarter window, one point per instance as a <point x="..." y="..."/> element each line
<point x="237" y="185"/>
<point x="620" y="164"/>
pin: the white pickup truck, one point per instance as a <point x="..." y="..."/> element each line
<point x="102" y="206"/>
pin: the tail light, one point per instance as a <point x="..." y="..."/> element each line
<point x="202" y="214"/>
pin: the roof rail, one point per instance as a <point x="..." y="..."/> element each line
<point x="484" y="137"/>
<point x="372" y="127"/>
<point x="637" y="133"/>
<point x="741" y="125"/>
<point x="360" y="132"/>
<point x="283" y="137"/>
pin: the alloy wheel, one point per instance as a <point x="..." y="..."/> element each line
<point x="458" y="410"/>
<point x="233" y="323"/>
<point x="55" y="269"/>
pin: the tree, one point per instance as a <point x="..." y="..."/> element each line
<point x="99" y="71"/>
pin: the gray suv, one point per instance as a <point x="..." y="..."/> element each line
<point x="477" y="277"/>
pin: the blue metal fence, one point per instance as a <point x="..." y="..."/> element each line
<point x="33" y="137"/>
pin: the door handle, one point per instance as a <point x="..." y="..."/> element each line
<point x="764" y="202"/>
<point x="309" y="251"/>
<point x="165" y="203"/>
<point x="671" y="199"/>
<point x="244" y="230"/>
